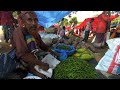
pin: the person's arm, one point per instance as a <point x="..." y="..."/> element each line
<point x="41" y="44"/>
<point x="22" y="51"/>
<point x="39" y="41"/>
<point x="19" y="43"/>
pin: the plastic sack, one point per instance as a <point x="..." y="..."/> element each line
<point x="42" y="34"/>
<point x="52" y="36"/>
<point x="51" y="60"/>
<point x="47" y="38"/>
<point x="47" y="73"/>
<point x="113" y="43"/>
<point x="47" y="41"/>
<point x="110" y="62"/>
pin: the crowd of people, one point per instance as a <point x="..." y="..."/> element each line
<point x="99" y="30"/>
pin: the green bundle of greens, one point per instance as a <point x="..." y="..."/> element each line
<point x="72" y="68"/>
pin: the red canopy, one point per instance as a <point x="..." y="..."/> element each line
<point x="113" y="17"/>
<point x="56" y="25"/>
<point x="83" y="24"/>
<point x="68" y="28"/>
<point x="94" y="24"/>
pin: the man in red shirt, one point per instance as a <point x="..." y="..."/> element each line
<point x="101" y="29"/>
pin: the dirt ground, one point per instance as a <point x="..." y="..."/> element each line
<point x="101" y="51"/>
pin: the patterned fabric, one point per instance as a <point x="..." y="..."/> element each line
<point x="31" y="42"/>
<point x="18" y="41"/>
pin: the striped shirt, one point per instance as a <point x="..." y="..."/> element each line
<point x="30" y="42"/>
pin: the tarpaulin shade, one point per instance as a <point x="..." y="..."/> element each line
<point x="68" y="28"/>
<point x="114" y="16"/>
<point x="49" y="18"/>
<point x="95" y="22"/>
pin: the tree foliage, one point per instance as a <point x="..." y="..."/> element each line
<point x="74" y="20"/>
<point x="15" y="13"/>
<point x="115" y="21"/>
<point x="66" y="22"/>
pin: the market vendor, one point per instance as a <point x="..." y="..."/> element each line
<point x="101" y="30"/>
<point x="26" y="39"/>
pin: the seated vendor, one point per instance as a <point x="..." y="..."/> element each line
<point x="25" y="39"/>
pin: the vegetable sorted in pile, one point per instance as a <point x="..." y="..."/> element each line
<point x="86" y="57"/>
<point x="63" y="47"/>
<point x="74" y="69"/>
<point x="83" y="54"/>
<point x="80" y="50"/>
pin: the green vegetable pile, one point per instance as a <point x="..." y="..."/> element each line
<point x="80" y="50"/>
<point x="63" y="47"/>
<point x="84" y="54"/>
<point x="72" y="68"/>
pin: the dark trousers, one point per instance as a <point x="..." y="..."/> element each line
<point x="7" y="30"/>
<point x="86" y="36"/>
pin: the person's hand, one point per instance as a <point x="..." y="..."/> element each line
<point x="44" y="66"/>
<point x="53" y="52"/>
<point x="56" y="54"/>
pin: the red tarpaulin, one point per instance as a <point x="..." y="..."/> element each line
<point x="56" y="25"/>
<point x="68" y="28"/>
<point x="94" y="24"/>
<point x="113" y="17"/>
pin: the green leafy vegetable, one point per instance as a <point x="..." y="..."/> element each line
<point x="72" y="68"/>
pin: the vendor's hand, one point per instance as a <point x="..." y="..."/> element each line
<point x="53" y="52"/>
<point x="56" y="54"/>
<point x="44" y="66"/>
